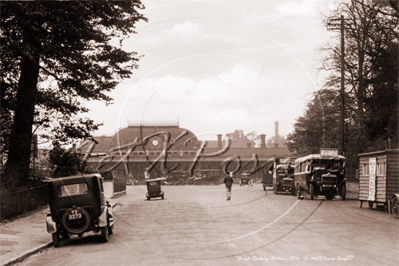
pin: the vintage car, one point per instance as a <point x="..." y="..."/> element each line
<point x="283" y="178"/>
<point x="77" y="205"/>
<point x="207" y="177"/>
<point x="318" y="174"/>
<point x="177" y="177"/>
<point x="132" y="182"/>
<point x="245" y="179"/>
<point x="154" y="189"/>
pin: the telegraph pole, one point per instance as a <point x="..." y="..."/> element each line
<point x="342" y="146"/>
<point x="333" y="25"/>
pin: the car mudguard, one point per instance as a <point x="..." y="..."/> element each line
<point x="102" y="219"/>
<point x="51" y="225"/>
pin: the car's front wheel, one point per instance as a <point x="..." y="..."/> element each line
<point x="104" y="234"/>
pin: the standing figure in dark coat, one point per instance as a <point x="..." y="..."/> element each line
<point x="228" y="181"/>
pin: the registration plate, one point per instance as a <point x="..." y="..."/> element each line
<point x="75" y="215"/>
<point x="328" y="185"/>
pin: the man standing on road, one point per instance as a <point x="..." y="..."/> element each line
<point x="228" y="181"/>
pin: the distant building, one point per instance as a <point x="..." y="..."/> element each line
<point x="180" y="155"/>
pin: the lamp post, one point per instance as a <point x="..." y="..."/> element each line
<point x="335" y="24"/>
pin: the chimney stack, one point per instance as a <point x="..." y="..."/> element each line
<point x="219" y="140"/>
<point x="276" y="135"/>
<point x="263" y="143"/>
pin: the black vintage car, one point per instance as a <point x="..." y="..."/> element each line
<point x="207" y="177"/>
<point x="245" y="179"/>
<point x="154" y="189"/>
<point x="77" y="205"/>
<point x="283" y="178"/>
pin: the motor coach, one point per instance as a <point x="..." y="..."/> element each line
<point x="318" y="174"/>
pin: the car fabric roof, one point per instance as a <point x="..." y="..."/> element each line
<point x="73" y="179"/>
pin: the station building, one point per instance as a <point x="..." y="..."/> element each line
<point x="182" y="148"/>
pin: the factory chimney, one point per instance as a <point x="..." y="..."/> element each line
<point x="276" y="135"/>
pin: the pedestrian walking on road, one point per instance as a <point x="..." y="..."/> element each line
<point x="228" y="181"/>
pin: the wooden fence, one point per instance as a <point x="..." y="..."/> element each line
<point x="22" y="201"/>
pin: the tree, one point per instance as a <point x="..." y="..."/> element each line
<point x="55" y="55"/>
<point x="319" y="126"/>
<point x="371" y="73"/>
<point x="239" y="139"/>
<point x="276" y="140"/>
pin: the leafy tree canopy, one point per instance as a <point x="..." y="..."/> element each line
<point x="56" y="55"/>
<point x="370" y="79"/>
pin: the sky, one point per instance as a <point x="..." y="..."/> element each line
<point x="219" y="66"/>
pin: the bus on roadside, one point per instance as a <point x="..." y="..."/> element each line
<point x="320" y="175"/>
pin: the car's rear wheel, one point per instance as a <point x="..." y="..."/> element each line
<point x="56" y="239"/>
<point x="181" y="182"/>
<point x="110" y="228"/>
<point x="76" y="226"/>
<point x="104" y="234"/>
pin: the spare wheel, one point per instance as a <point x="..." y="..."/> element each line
<point x="76" y="220"/>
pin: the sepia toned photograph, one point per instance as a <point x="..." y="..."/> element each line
<point x="199" y="132"/>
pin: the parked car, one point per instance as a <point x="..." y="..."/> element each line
<point x="245" y="179"/>
<point x="177" y="177"/>
<point x="154" y="189"/>
<point x="77" y="205"/>
<point x="283" y="178"/>
<point x="207" y="177"/>
<point x="132" y="182"/>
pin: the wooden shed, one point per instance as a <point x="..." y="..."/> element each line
<point x="378" y="177"/>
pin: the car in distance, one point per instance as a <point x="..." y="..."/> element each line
<point x="154" y="189"/>
<point x="245" y="179"/>
<point x="77" y="205"/>
<point x="283" y="177"/>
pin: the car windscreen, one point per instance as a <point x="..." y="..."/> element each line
<point x="153" y="183"/>
<point x="73" y="189"/>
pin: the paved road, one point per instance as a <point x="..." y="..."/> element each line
<point x="195" y="225"/>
